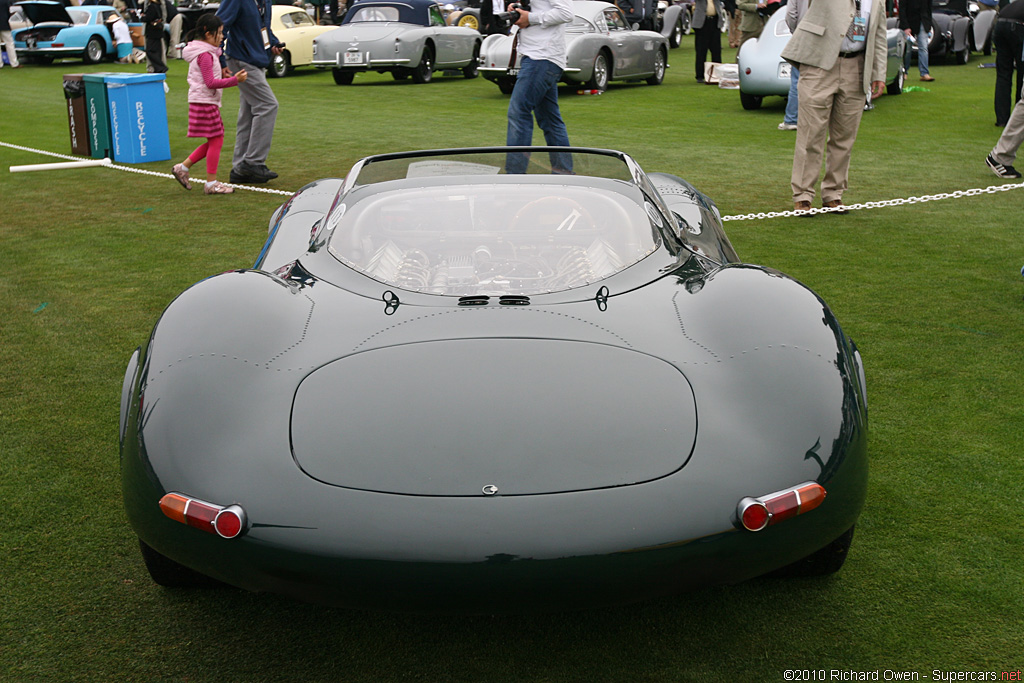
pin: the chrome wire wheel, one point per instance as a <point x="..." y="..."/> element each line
<point x="95" y="49"/>
<point x="659" y="69"/>
<point x="599" y="81"/>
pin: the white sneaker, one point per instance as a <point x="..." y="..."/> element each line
<point x="787" y="126"/>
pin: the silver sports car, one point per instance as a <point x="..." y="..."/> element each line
<point x="764" y="72"/>
<point x="405" y="37"/>
<point x="601" y="47"/>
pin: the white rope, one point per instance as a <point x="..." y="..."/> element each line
<point x="129" y="169"/>
<point x="992" y="189"/>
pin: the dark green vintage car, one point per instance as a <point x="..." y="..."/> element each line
<point x="447" y="386"/>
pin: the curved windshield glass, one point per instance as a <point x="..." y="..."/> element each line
<point x="375" y="13"/>
<point x="78" y="16"/>
<point x="580" y="25"/>
<point x="463" y="227"/>
<point x="293" y="19"/>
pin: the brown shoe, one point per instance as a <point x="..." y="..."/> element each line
<point x="833" y="203"/>
<point x="927" y="78"/>
<point x="803" y="206"/>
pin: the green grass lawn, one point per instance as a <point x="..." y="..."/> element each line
<point x="931" y="293"/>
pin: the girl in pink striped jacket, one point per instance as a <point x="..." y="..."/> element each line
<point x="204" y="94"/>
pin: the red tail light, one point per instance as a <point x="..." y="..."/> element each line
<point x="757" y="513"/>
<point x="227" y="522"/>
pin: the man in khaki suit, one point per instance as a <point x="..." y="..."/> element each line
<point x="840" y="48"/>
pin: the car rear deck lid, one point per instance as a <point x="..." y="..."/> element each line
<point x="44" y="12"/>
<point x="493" y="417"/>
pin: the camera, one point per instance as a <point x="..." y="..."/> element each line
<point x="505" y="20"/>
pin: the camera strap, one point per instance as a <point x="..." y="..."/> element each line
<point x="512" y="54"/>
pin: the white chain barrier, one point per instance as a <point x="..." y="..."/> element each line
<point x="992" y="189"/>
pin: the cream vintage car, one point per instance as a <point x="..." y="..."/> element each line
<point x="293" y="27"/>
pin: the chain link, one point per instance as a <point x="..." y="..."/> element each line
<point x="901" y="201"/>
<point x="142" y="171"/>
<point x="973" y="192"/>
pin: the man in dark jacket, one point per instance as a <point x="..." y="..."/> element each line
<point x="248" y="44"/>
<point x="1008" y="41"/>
<point x="708" y="19"/>
<point x="916" y="20"/>
<point x="155" y="18"/>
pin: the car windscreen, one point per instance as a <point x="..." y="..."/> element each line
<point x="381" y="12"/>
<point x="580" y="25"/>
<point x="487" y="162"/>
<point x="782" y="28"/>
<point x="497" y="235"/>
<point x="296" y="19"/>
<point x="78" y="17"/>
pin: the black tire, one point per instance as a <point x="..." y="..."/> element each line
<point x="95" y="50"/>
<point x="424" y="71"/>
<point x="342" y="77"/>
<point x="824" y="562"/>
<point x="280" y="66"/>
<point x="659" y="69"/>
<point x="675" y="39"/>
<point x="166" y="572"/>
<point x="963" y="56"/>
<point x="506" y="85"/>
<point x="687" y="20"/>
<point x="602" y="72"/>
<point x="896" y="87"/>
<point x="472" y="70"/>
<point x="750" y="102"/>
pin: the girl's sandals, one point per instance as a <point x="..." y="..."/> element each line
<point x="217" y="187"/>
<point x="181" y="175"/>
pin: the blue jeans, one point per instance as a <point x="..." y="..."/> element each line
<point x="922" y="53"/>
<point x="792" y="101"/>
<point x="536" y="92"/>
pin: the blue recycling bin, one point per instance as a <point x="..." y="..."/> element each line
<point x="138" y="117"/>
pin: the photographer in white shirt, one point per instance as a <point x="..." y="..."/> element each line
<point x="540" y="40"/>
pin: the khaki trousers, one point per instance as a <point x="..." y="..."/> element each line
<point x="1005" y="151"/>
<point x="830" y="106"/>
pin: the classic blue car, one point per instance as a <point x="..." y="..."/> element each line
<point x="59" y="32"/>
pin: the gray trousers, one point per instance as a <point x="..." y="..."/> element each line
<point x="1005" y="151"/>
<point x="257" y="113"/>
